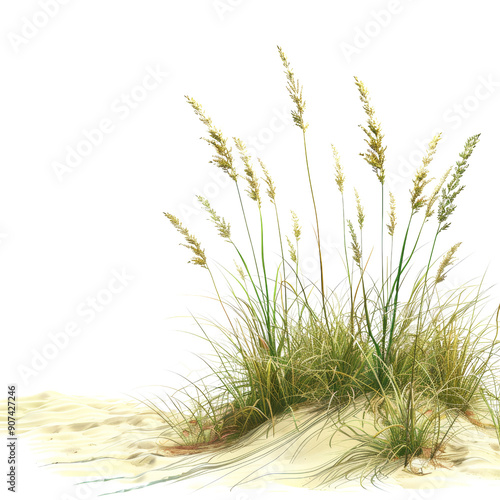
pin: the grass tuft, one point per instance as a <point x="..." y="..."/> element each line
<point x="389" y="357"/>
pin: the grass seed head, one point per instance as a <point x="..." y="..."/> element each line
<point x="447" y="261"/>
<point x="392" y="215"/>
<point x="339" y="171"/>
<point x="295" y="91"/>
<point x="375" y="155"/>
<point x="222" y="226"/>
<point x="271" y="187"/>
<point x="297" y="230"/>
<point x="449" y="193"/>
<point x="240" y="271"/>
<point x="250" y="176"/>
<point x="192" y="243"/>
<point x="421" y="177"/>
<point x="360" y="210"/>
<point x="435" y="195"/>
<point x="223" y="157"/>
<point x="292" y="250"/>
<point x="356" y="249"/>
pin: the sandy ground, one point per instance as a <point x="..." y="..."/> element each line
<point x="123" y="439"/>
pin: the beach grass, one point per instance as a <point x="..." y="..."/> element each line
<point x="417" y="356"/>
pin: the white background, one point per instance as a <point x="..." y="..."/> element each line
<point x="64" y="233"/>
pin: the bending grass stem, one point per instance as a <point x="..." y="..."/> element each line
<point x="219" y="297"/>
<point x="368" y="324"/>
<point x="268" y="315"/>
<point x="367" y="317"/>
<point x="256" y="290"/>
<point x="283" y="267"/>
<point x="317" y="230"/>
<point x="408" y="259"/>
<point x="424" y="288"/>
<point x="248" y="232"/>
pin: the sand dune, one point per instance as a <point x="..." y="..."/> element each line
<point x="125" y="440"/>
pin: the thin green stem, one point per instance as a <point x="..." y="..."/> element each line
<point x="256" y="290"/>
<point x="382" y="241"/>
<point x="407" y="261"/>
<point x="268" y="315"/>
<point x="317" y="230"/>
<point x="248" y="232"/>
<point x="424" y="287"/>
<point x="283" y="267"/>
<point x="368" y="323"/>
<point x="395" y="304"/>
<point x="219" y="297"/>
<point x="347" y="262"/>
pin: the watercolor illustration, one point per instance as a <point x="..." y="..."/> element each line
<point x="375" y="375"/>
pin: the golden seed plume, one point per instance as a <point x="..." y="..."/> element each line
<point x="356" y="249"/>
<point x="291" y="250"/>
<point x="435" y="194"/>
<point x="297" y="230"/>
<point x="222" y="226"/>
<point x="447" y="261"/>
<point x="191" y="242"/>
<point x="253" y="183"/>
<point x="240" y="271"/>
<point x="223" y="157"/>
<point x="339" y="171"/>
<point x="392" y="214"/>
<point x="421" y="177"/>
<point x="271" y="188"/>
<point x="375" y="155"/>
<point x="359" y="209"/>
<point x="295" y="90"/>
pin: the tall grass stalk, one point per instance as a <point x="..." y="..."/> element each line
<point x="415" y="356"/>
